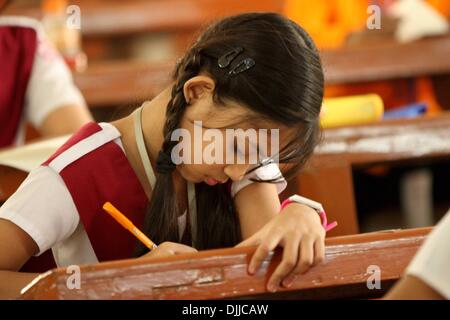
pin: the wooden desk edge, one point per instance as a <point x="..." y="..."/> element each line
<point x="222" y="273"/>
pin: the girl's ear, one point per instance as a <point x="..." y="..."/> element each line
<point x="198" y="87"/>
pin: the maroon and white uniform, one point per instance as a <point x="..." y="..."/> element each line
<point x="34" y="79"/>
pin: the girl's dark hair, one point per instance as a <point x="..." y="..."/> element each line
<point x="285" y="86"/>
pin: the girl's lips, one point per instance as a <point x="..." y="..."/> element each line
<point x="211" y="181"/>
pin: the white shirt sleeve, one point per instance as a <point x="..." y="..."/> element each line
<point x="432" y="262"/>
<point x="267" y="172"/>
<point x="50" y="85"/>
<point x="43" y="208"/>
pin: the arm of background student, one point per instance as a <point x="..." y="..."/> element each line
<point x="16" y="247"/>
<point x="428" y="276"/>
<point x="64" y="120"/>
<point x="412" y="288"/>
<point x="53" y="103"/>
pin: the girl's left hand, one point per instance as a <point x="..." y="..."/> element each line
<point x="298" y="229"/>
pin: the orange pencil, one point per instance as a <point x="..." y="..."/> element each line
<point x="127" y="224"/>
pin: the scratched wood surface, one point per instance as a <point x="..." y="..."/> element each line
<point x="222" y="274"/>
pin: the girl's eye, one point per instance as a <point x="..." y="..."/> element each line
<point x="237" y="151"/>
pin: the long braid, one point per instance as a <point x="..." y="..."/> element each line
<point x="161" y="219"/>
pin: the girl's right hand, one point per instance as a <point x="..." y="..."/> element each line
<point x="167" y="249"/>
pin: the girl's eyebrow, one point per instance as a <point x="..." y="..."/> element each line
<point x="194" y="122"/>
<point x="258" y="149"/>
<point x="232" y="125"/>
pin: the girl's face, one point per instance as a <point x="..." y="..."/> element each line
<point x="221" y="142"/>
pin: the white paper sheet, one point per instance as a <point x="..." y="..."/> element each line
<point x="30" y="156"/>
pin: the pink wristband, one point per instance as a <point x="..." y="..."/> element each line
<point x="327" y="226"/>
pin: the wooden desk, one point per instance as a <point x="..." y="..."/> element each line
<point x="387" y="60"/>
<point x="328" y="176"/>
<point x="222" y="274"/>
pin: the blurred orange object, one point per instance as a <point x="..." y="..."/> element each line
<point x="328" y="21"/>
<point x="443" y="6"/>
<point x="53" y="6"/>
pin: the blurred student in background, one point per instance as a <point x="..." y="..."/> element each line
<point x="37" y="86"/>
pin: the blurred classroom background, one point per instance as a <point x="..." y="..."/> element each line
<point x="384" y="161"/>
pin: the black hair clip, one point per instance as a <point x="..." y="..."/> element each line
<point x="227" y="58"/>
<point x="164" y="163"/>
<point x="242" y="66"/>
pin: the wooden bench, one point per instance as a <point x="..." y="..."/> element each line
<point x="222" y="274"/>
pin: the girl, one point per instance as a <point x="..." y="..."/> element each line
<point x="255" y="70"/>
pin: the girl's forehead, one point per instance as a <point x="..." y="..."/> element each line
<point x="229" y="120"/>
<point x="237" y="117"/>
<point x="231" y="115"/>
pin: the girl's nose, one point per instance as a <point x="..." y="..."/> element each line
<point x="236" y="172"/>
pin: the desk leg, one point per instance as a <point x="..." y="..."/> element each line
<point x="333" y="187"/>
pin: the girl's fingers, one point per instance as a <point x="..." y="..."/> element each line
<point x="263" y="251"/>
<point x="176" y="247"/>
<point x="166" y="249"/>
<point x="305" y="261"/>
<point x="319" y="251"/>
<point x="249" y="242"/>
<point x="306" y="256"/>
<point x="287" y="265"/>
